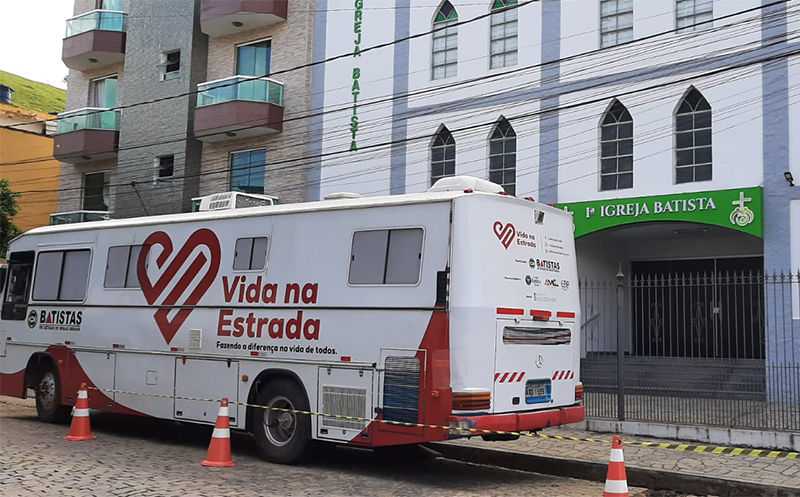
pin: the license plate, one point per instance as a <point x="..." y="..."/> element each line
<point x="537" y="391"/>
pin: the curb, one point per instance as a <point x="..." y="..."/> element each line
<point x="595" y="471"/>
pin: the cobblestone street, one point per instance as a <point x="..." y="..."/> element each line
<point x="145" y="457"/>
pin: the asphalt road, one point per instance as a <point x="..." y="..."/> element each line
<point x="144" y="457"/>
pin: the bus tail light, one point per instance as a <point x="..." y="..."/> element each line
<point x="579" y="392"/>
<point x="471" y="401"/>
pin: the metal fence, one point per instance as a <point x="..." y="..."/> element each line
<point x="718" y="348"/>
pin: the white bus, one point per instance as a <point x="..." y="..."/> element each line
<point x="457" y="307"/>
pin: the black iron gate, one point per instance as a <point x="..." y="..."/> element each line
<point x="705" y="345"/>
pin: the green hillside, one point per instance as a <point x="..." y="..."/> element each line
<point x="33" y="95"/>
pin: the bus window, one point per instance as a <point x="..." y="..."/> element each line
<point x="20" y="268"/>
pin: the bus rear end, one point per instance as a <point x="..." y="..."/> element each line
<point x="514" y="316"/>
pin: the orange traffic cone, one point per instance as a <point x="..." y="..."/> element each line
<point x="616" y="481"/>
<point x="219" y="450"/>
<point x="80" y="429"/>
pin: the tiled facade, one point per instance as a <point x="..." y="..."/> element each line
<point x="164" y="128"/>
<point x="291" y="47"/>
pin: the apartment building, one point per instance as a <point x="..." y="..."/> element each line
<point x="169" y="100"/>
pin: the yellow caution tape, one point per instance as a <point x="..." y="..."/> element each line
<point x="733" y="451"/>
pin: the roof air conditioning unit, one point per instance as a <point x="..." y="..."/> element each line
<point x="461" y="183"/>
<point x="231" y="200"/>
<point x="341" y="196"/>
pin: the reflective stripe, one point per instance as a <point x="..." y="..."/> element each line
<point x="616" y="455"/>
<point x="617" y="487"/>
<point x="80" y="413"/>
<point x="221" y="433"/>
<point x="223" y="411"/>
<point x="83" y="394"/>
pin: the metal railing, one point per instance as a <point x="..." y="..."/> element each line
<point x="105" y="20"/>
<point x="78" y="217"/>
<point x="719" y="349"/>
<point x="88" y="118"/>
<point x="240" y="88"/>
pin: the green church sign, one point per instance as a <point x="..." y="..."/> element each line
<point x="738" y="209"/>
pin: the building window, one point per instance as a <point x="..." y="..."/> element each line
<point x="616" y="22"/>
<point x="503" y="43"/>
<point x="503" y="156"/>
<point x="61" y="275"/>
<point x="693" y="139"/>
<point x="253" y="59"/>
<point x="96" y="191"/>
<point x="443" y="155"/>
<point x="690" y="13"/>
<point x="165" y="167"/>
<point x="170" y="65"/>
<point x="250" y="254"/>
<point x="386" y="257"/>
<point x="616" y="149"/>
<point x="247" y="171"/>
<point x="445" y="42"/>
<point x="103" y="92"/>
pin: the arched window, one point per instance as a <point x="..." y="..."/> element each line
<point x="693" y="139"/>
<point x="503" y="42"/>
<point x="616" y="148"/>
<point x="445" y="42"/>
<point x="503" y="156"/>
<point x="443" y="155"/>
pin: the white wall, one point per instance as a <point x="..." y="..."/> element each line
<point x="795" y="262"/>
<point x="735" y="100"/>
<point x="734" y="96"/>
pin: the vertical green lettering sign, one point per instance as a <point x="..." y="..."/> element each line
<point x="356" y="89"/>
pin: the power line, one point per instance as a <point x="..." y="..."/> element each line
<point x="309" y="64"/>
<point x="520" y="116"/>
<point x="467" y="83"/>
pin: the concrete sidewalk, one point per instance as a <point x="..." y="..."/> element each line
<point x="650" y="467"/>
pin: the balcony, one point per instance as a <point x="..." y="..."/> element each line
<point x="95" y="39"/>
<point x="78" y="217"/>
<point x="85" y="135"/>
<point x="226" y="17"/>
<point x="238" y="107"/>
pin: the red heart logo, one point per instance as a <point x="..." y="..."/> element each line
<point x="200" y="238"/>
<point x="504" y="233"/>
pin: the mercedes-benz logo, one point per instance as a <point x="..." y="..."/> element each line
<point x="539" y="361"/>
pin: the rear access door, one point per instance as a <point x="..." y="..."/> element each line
<point x="533" y="365"/>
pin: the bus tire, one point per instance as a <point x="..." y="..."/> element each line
<point x="48" y="397"/>
<point x="282" y="436"/>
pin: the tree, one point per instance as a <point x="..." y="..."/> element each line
<point x="8" y="209"/>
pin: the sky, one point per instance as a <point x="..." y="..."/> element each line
<point x="32" y="49"/>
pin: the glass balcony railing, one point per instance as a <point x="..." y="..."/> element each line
<point x="78" y="217"/>
<point x="106" y="20"/>
<point x="88" y="118"/>
<point x="240" y="88"/>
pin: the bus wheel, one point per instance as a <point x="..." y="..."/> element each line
<point x="283" y="436"/>
<point x="48" y="398"/>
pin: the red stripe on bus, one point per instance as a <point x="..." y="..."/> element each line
<point x="568" y="315"/>
<point x="513" y="376"/>
<point x="496" y="376"/>
<point x="541" y="314"/>
<point x="503" y="379"/>
<point x="555" y="375"/>
<point x="512" y="311"/>
<point x="521" y="376"/>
